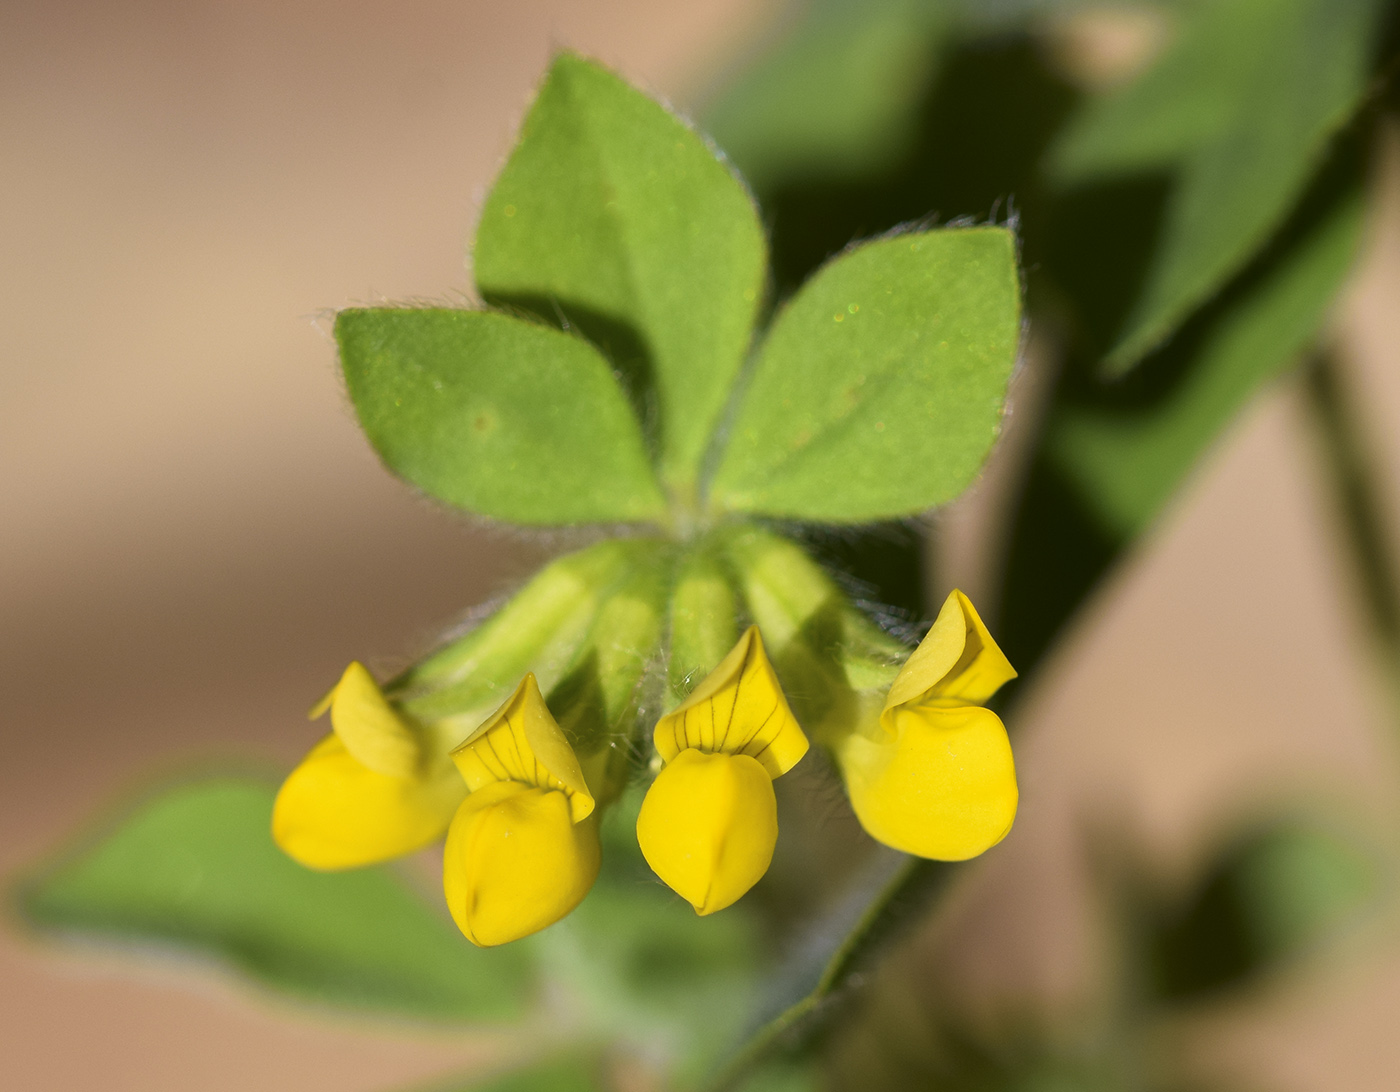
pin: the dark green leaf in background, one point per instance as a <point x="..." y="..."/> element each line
<point x="1242" y="107"/>
<point x="1128" y="462"/>
<point x="1115" y="453"/>
<point x="497" y="415"/>
<point x="880" y="388"/>
<point x="196" y="867"/>
<point x="838" y="96"/>
<point x="1277" y="891"/>
<point x="615" y="216"/>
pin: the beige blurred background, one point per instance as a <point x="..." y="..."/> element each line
<point x="194" y="538"/>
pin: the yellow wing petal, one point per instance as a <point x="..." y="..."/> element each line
<point x="739" y="708"/>
<point x="944" y="787"/>
<point x="371" y="729"/>
<point x="333" y="812"/>
<point x="957" y="660"/>
<point x="523" y="742"/>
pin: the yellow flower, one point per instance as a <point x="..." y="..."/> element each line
<point x="933" y="775"/>
<point x="522" y="850"/>
<point x="369" y="791"/>
<point x="709" y="822"/>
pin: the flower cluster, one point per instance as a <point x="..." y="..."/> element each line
<point x="518" y="785"/>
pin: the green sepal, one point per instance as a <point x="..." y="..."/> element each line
<point x="704" y="620"/>
<point x="502" y="417"/>
<point x="614" y="216"/>
<point x="825" y="651"/>
<point x="600" y="697"/>
<point x="540" y="629"/>
<point x="881" y="386"/>
<point x="195" y="866"/>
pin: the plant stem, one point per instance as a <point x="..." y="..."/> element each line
<point x="1349" y="466"/>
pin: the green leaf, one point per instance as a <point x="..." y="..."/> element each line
<point x="195" y="866"/>
<point x="615" y="216"/>
<point x="1115" y="453"/>
<point x="838" y="96"/>
<point x="1128" y="464"/>
<point x="497" y="415"/>
<point x="880" y="389"/>
<point x="1244" y="105"/>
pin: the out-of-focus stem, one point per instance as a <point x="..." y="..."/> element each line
<point x="1350" y="470"/>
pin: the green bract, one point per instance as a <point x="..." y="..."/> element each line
<point x="878" y="392"/>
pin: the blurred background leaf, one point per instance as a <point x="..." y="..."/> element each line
<point x="194" y="867"/>
<point x="1276" y="891"/>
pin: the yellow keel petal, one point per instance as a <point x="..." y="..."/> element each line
<point x="708" y="826"/>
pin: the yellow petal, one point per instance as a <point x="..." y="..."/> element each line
<point x="957" y="660"/>
<point x="523" y="742"/>
<point x="516" y="861"/>
<point x="944" y="787"/>
<point x="369" y="726"/>
<point x="333" y="812"/>
<point x="708" y="826"/>
<point x="739" y="709"/>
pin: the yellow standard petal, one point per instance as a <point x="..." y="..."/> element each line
<point x="369" y="791"/>
<point x="708" y="826"/>
<point x="333" y="812"/>
<point x="944" y="788"/>
<point x="516" y="861"/>
<point x="957" y="660"/>
<point x="522" y="850"/>
<point x="739" y="709"/>
<point x="523" y="742"/>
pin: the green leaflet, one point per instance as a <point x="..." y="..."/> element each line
<point x="1243" y="106"/>
<point x="615" y="217"/>
<point x="1127" y="464"/>
<point x="497" y="415"/>
<point x="838" y="96"/>
<point x="195" y="866"/>
<point x="881" y="386"/>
